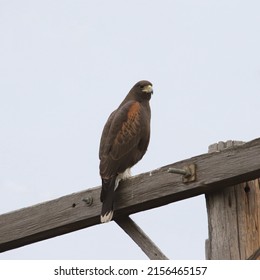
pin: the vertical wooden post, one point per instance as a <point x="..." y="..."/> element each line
<point x="233" y="218"/>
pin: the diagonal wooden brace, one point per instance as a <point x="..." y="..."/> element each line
<point x="140" y="238"/>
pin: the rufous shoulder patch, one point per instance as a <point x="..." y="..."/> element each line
<point x="133" y="110"/>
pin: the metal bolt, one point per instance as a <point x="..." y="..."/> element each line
<point x="88" y="200"/>
<point x="185" y="172"/>
<point x="188" y="172"/>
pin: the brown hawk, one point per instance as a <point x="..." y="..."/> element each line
<point x="123" y="143"/>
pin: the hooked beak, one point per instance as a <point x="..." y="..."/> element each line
<point x="148" y="89"/>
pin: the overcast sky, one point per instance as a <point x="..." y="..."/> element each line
<point x="65" y="65"/>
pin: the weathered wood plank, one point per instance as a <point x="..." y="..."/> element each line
<point x="142" y="192"/>
<point x="233" y="219"/>
<point x="141" y="239"/>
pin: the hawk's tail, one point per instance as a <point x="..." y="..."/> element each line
<point x="107" y="198"/>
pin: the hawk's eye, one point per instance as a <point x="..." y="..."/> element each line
<point x="141" y="86"/>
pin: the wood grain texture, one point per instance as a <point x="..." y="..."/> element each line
<point x="233" y="219"/>
<point x="141" y="239"/>
<point x="145" y="191"/>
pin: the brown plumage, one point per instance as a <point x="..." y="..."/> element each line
<point x="124" y="141"/>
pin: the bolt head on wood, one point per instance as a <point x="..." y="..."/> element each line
<point x="188" y="172"/>
<point x="88" y="200"/>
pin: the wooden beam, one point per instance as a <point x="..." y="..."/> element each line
<point x="141" y="239"/>
<point x="142" y="192"/>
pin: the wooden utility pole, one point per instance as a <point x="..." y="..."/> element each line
<point x="233" y="218"/>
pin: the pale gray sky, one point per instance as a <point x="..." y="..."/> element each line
<point x="65" y="65"/>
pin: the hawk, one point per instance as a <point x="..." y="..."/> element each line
<point x="123" y="143"/>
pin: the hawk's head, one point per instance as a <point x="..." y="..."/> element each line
<point x="143" y="90"/>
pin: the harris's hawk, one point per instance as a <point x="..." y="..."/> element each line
<point x="123" y="143"/>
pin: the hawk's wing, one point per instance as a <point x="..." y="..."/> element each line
<point x="124" y="139"/>
<point x="103" y="147"/>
